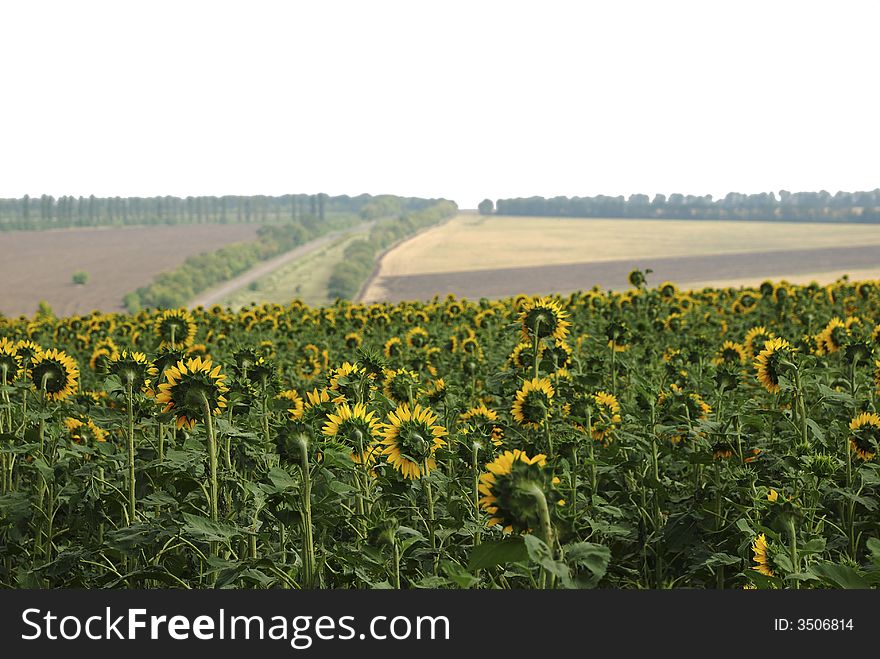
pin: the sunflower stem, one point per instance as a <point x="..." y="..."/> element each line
<point x="212" y="463"/>
<point x="429" y="494"/>
<point x="477" y="516"/>
<point x="308" y="540"/>
<point x="131" y="476"/>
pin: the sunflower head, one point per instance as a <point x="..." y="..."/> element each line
<point x="768" y="363"/>
<point x="251" y="365"/>
<point x="532" y="404"/>
<point x="295" y="403"/>
<point x="175" y="329"/>
<point x="10" y="361"/>
<point x="761" y="551"/>
<point x="84" y="432"/>
<point x="193" y="389"/>
<point x="400" y="385"/>
<point x="755" y="339"/>
<point x="731" y="353"/>
<point x="865" y="436"/>
<point x="345" y="381"/>
<point x="543" y="317"/>
<point x="317" y="408"/>
<point x="354" y="426"/>
<point x="833" y="336"/>
<point x="132" y="368"/>
<point x="509" y="488"/>
<point x="411" y="437"/>
<point x="55" y="373"/>
<point x="27" y="350"/>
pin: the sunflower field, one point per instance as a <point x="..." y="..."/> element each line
<point x="649" y="438"/>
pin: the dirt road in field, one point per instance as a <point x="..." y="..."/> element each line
<point x="717" y="269"/>
<point x="38" y="265"/>
<point x="218" y="293"/>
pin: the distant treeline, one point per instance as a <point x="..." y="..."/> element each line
<point x="47" y="212"/>
<point x="790" y="206"/>
<point x="359" y="257"/>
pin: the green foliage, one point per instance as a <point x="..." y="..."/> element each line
<point x="80" y="278"/>
<point x="486" y="207"/>
<point x="360" y="256"/>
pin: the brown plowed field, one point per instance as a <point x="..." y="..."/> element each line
<point x="38" y="265"/>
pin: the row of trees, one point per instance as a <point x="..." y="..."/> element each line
<point x="198" y="273"/>
<point x="48" y="212"/>
<point x="359" y="257"/>
<point x="791" y="206"/>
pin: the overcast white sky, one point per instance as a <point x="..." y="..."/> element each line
<point x="459" y="99"/>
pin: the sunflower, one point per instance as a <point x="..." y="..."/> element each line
<point x="353" y="340"/>
<point x="755" y="338"/>
<point x="191" y="389"/>
<point x="730" y="353"/>
<point x="410" y="438"/>
<point x="436" y="392"/>
<point x="317" y="407"/>
<point x="175" y="328"/>
<point x="523" y="355"/>
<point x="543" y="317"/>
<point x="865" y="435"/>
<point x="296" y="402"/>
<point x="393" y="347"/>
<point x="722" y="451"/>
<point x="482" y="422"/>
<point x="84" y="432"/>
<point x="132" y="368"/>
<point x="357" y="427"/>
<point x="532" y="403"/>
<point x="767" y="363"/>
<point x="417" y="337"/>
<point x="401" y="385"/>
<point x="55" y="373"/>
<point x="761" y="549"/>
<point x="344" y="382"/>
<point x="745" y="303"/>
<point x="667" y="289"/>
<point x="618" y="335"/>
<point x="507" y="490"/>
<point x="833" y="336"/>
<point x="27" y="350"/>
<point x="10" y="362"/>
<point x="607" y="416"/>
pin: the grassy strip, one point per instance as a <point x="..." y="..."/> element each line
<point x="199" y="273"/>
<point x="360" y="256"/>
<point x="304" y="279"/>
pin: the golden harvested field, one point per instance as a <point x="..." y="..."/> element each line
<point x="496" y="256"/>
<point x="38" y="265"/>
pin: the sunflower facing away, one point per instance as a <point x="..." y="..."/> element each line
<point x="189" y="386"/>
<point x="10" y="362"/>
<point x="505" y="493"/>
<point x="544" y="317"/>
<point x="756" y="338"/>
<point x="56" y="373"/>
<point x="731" y="353"/>
<point x="131" y="368"/>
<point x="175" y="329"/>
<point x="607" y="417"/>
<point x="297" y="405"/>
<point x="761" y="549"/>
<point x="410" y="438"/>
<point x="355" y="426"/>
<point x="532" y="403"/>
<point x="84" y="432"/>
<point x="767" y="367"/>
<point x="865" y="435"/>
